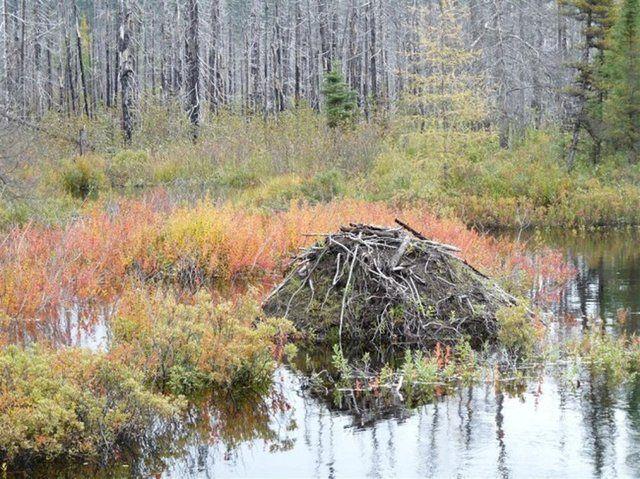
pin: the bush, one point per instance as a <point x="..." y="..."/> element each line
<point x="72" y="403"/>
<point x="324" y="186"/>
<point x="517" y="333"/>
<point x="128" y="168"/>
<point x="276" y="194"/>
<point x="84" y="177"/>
<point x="187" y="347"/>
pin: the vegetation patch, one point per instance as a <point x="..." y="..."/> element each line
<point x="188" y="347"/>
<point x="75" y="404"/>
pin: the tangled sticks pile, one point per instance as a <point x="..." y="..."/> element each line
<point x="387" y="286"/>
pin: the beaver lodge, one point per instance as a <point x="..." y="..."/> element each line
<point x="387" y="286"/>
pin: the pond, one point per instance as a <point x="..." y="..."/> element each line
<point x="550" y="427"/>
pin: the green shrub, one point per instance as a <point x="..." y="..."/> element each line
<point x="128" y="168"/>
<point x="72" y="403"/>
<point x="185" y="348"/>
<point x="84" y="177"/>
<point x="516" y="331"/>
<point x="241" y="179"/>
<point x="275" y="194"/>
<point x="324" y="186"/>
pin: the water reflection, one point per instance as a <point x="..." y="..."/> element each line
<point x="549" y="428"/>
<point x="607" y="283"/>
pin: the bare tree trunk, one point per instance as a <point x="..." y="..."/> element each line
<point x="215" y="59"/>
<point x="4" y="56"/>
<point x="193" y="67"/>
<point x="83" y="78"/>
<point x="22" y="59"/>
<point x="373" y="54"/>
<point x="325" y="51"/>
<point x="127" y="75"/>
<point x="70" y="82"/>
<point x="297" y="47"/>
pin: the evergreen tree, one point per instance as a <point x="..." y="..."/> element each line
<point x="623" y="72"/>
<point x="340" y="102"/>
<point x="590" y="89"/>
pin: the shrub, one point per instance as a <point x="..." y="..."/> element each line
<point x="77" y="264"/>
<point x="128" y="168"/>
<point x="187" y="347"/>
<point x="324" y="186"/>
<point x="241" y="179"/>
<point x="72" y="403"/>
<point x="83" y="177"/>
<point x="517" y="333"/>
<point x="616" y="359"/>
<point x="276" y="194"/>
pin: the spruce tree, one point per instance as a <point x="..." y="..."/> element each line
<point x="339" y="100"/>
<point x="623" y="73"/>
<point x="596" y="17"/>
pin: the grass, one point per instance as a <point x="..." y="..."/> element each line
<point x="269" y="163"/>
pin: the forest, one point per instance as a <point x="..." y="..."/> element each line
<point x="221" y="218"/>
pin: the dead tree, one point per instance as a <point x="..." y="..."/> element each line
<point x="127" y="75"/>
<point x="83" y="77"/>
<point x="215" y="59"/>
<point x="193" y="67"/>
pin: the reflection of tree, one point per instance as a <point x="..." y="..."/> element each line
<point x="633" y="413"/>
<point x="223" y="422"/>
<point x="607" y="267"/>
<point x="502" y="448"/>
<point x="598" y="404"/>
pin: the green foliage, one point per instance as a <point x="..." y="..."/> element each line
<point x="278" y="193"/>
<point x="324" y="186"/>
<point x="615" y="359"/>
<point x="516" y="334"/>
<point x="185" y="348"/>
<point x="339" y="100"/>
<point x="340" y="363"/>
<point x="128" y="168"/>
<point x="623" y="75"/>
<point x="84" y="177"/>
<point x="420" y="369"/>
<point x="524" y="186"/>
<point x="72" y="403"/>
<point x="270" y="163"/>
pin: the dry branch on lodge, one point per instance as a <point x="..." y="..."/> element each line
<point x="388" y="286"/>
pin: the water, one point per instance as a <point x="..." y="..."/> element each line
<point x="547" y="431"/>
<point x="550" y="427"/>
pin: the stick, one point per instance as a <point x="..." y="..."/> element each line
<point x="346" y="291"/>
<point x="415" y="233"/>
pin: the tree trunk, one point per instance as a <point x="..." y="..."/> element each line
<point x="127" y="75"/>
<point x="193" y="68"/>
<point x="83" y="78"/>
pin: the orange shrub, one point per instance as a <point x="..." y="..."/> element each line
<point x="87" y="261"/>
